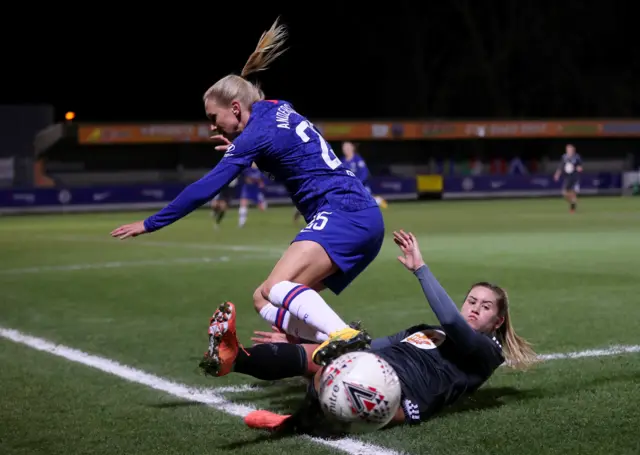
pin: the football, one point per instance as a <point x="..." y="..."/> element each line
<point x="359" y="391"/>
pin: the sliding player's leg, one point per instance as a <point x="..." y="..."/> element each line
<point x="265" y="361"/>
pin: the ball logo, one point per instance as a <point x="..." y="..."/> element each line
<point x="366" y="402"/>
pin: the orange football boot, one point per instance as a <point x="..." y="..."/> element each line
<point x="265" y="420"/>
<point x="223" y="342"/>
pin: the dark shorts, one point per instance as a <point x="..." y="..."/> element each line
<point x="570" y="183"/>
<point x="226" y="195"/>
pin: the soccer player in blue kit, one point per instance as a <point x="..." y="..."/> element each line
<point x="251" y="192"/>
<point x="354" y="161"/>
<point x="345" y="227"/>
<point x="356" y="164"/>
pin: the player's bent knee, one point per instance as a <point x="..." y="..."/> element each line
<point x="263" y="294"/>
<point x="259" y="298"/>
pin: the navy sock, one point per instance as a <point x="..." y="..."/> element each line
<point x="272" y="361"/>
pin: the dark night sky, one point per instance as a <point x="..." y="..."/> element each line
<point x="457" y="59"/>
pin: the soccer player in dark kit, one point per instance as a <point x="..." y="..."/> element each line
<point x="220" y="204"/>
<point x="569" y="169"/>
<point x="436" y="365"/>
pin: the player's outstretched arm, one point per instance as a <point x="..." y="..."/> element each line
<point x="192" y="197"/>
<point x="442" y="305"/>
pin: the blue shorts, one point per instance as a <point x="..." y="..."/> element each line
<point x="253" y="193"/>
<point x="351" y="239"/>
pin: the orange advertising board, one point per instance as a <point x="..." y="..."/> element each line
<point x="368" y="130"/>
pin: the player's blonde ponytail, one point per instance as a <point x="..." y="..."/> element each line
<point x="517" y="351"/>
<point x="233" y="87"/>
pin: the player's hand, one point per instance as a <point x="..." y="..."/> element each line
<point x="408" y="244"/>
<point x="225" y="142"/>
<point x="129" y="230"/>
<point x="275" y="336"/>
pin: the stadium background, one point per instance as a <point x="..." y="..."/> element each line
<point x="514" y="79"/>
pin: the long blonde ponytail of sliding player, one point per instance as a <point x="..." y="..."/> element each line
<point x="233" y="87"/>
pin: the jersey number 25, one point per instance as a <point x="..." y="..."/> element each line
<point x="328" y="155"/>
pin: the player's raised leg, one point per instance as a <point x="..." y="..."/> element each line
<point x="332" y="250"/>
<point x="298" y="309"/>
<point x="288" y="300"/>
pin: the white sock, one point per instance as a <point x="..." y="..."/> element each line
<point x="243" y="216"/>
<point x="307" y="305"/>
<point x="284" y="320"/>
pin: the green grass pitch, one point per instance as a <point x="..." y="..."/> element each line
<point x="573" y="281"/>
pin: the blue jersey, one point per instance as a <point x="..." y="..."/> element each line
<point x="252" y="176"/>
<point x="357" y="165"/>
<point x="287" y="146"/>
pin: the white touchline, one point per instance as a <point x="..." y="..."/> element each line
<point x="613" y="350"/>
<point x="210" y="397"/>
<point x="213" y="397"/>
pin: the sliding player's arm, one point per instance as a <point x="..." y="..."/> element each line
<point x="452" y="322"/>
<point x="454" y="325"/>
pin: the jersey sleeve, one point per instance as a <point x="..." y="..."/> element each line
<point x="453" y="324"/>
<point x="240" y="154"/>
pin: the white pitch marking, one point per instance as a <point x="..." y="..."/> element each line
<point x="209" y="397"/>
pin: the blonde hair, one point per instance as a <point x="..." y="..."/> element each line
<point x="517" y="351"/>
<point x="233" y="87"/>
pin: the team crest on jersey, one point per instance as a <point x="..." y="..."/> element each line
<point x="426" y="339"/>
